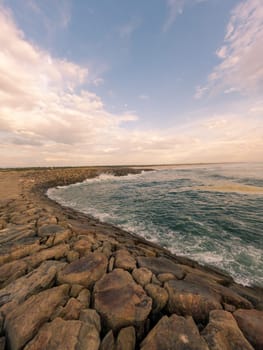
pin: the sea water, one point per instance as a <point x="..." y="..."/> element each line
<point x="212" y="213"/>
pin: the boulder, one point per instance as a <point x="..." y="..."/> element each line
<point x="72" y="310"/>
<point x="65" y="335"/>
<point x="126" y="339"/>
<point x="124" y="260"/>
<point x="174" y="332"/>
<point x="85" y="271"/>
<point x="142" y="276"/>
<point x="250" y="322"/>
<point x="32" y="283"/>
<point x="222" y="332"/>
<point x="161" y="265"/>
<point x="84" y="297"/>
<point x="165" y="277"/>
<point x="57" y="252"/>
<point x="83" y="247"/>
<point x="190" y="299"/>
<point x="159" y="296"/>
<point x="120" y="301"/>
<point x="91" y="316"/>
<point x="11" y="271"/>
<point x="25" y="320"/>
<point x="108" y="342"/>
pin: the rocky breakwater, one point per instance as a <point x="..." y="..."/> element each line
<point x="70" y="282"/>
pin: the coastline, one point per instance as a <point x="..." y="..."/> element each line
<point x="49" y="248"/>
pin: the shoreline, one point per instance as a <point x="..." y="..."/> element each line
<point x="39" y="235"/>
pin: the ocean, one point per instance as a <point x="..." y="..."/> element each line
<point x="212" y="214"/>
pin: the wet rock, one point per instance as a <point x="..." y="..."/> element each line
<point x="250" y="322"/>
<point x="60" y="335"/>
<point x="120" y="301"/>
<point x="174" y="332"/>
<point x="85" y="271"/>
<point x="90" y="316"/>
<point x="11" y="271"/>
<point x="187" y="298"/>
<point x="84" y="297"/>
<point x="124" y="260"/>
<point x="57" y="252"/>
<point x="72" y="310"/>
<point x="142" y="276"/>
<point x="159" y="296"/>
<point x="254" y="295"/>
<point x="24" y="321"/>
<point x="32" y="283"/>
<point x="126" y="339"/>
<point x="161" y="265"/>
<point x="222" y="332"/>
<point x="108" y="342"/>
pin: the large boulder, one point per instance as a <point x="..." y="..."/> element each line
<point x="189" y="299"/>
<point x="120" y="301"/>
<point x="85" y="271"/>
<point x="161" y="265"/>
<point x="126" y="339"/>
<point x="222" y="332"/>
<point x="174" y="332"/>
<point x="66" y="335"/>
<point x="159" y="296"/>
<point x="251" y="322"/>
<point x="25" y="320"/>
<point x="142" y="276"/>
<point x="124" y="260"/>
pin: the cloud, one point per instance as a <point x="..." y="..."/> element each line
<point x="144" y="97"/>
<point x="126" y="30"/>
<point x="176" y="8"/>
<point x="241" y="55"/>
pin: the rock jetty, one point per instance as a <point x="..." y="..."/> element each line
<point x="68" y="281"/>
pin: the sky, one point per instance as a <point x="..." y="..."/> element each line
<point x="116" y="82"/>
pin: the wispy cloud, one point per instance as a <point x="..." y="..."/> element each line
<point x="241" y="55"/>
<point x="176" y="8"/>
<point x="126" y="30"/>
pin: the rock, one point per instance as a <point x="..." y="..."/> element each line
<point x="254" y="295"/>
<point x="142" y="276"/>
<point x="72" y="256"/>
<point x="126" y="339"/>
<point x="72" y="310"/>
<point x="2" y="343"/>
<point x="84" y="297"/>
<point x="250" y="322"/>
<point x="90" y="316"/>
<point x="120" y="301"/>
<point x="108" y="342"/>
<point x="124" y="260"/>
<point x="222" y="332"/>
<point x="50" y="230"/>
<point x="111" y="264"/>
<point x="47" y="220"/>
<point x="32" y="283"/>
<point x="159" y="296"/>
<point x="165" y="277"/>
<point x="84" y="271"/>
<point x="57" y="252"/>
<point x="75" y="290"/>
<point x="155" y="280"/>
<point x="189" y="299"/>
<point x="83" y="247"/>
<point x="65" y="335"/>
<point x="174" y="332"/>
<point x="3" y="224"/>
<point x="228" y="295"/>
<point x="25" y="320"/>
<point x="161" y="265"/>
<point x="11" y="271"/>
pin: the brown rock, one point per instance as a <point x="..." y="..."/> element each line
<point x="108" y="342"/>
<point x="120" y="301"/>
<point x="142" y="276"/>
<point x="75" y="290"/>
<point x="11" y="271"/>
<point x="124" y="260"/>
<point x="111" y="263"/>
<point x="3" y="224"/>
<point x="84" y="271"/>
<point x="189" y="299"/>
<point x="65" y="335"/>
<point x="126" y="339"/>
<point x="84" y="297"/>
<point x="165" y="277"/>
<point x="72" y="310"/>
<point x="222" y="332"/>
<point x="159" y="296"/>
<point x="83" y="247"/>
<point x="32" y="283"/>
<point x="175" y="332"/>
<point x="57" y="252"/>
<point x="90" y="316"/>
<point x="250" y="322"/>
<point x="24" y="321"/>
<point x="72" y="256"/>
<point x="161" y="265"/>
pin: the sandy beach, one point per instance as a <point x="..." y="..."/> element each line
<point x="69" y="281"/>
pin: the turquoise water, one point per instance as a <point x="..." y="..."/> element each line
<point x="213" y="214"/>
